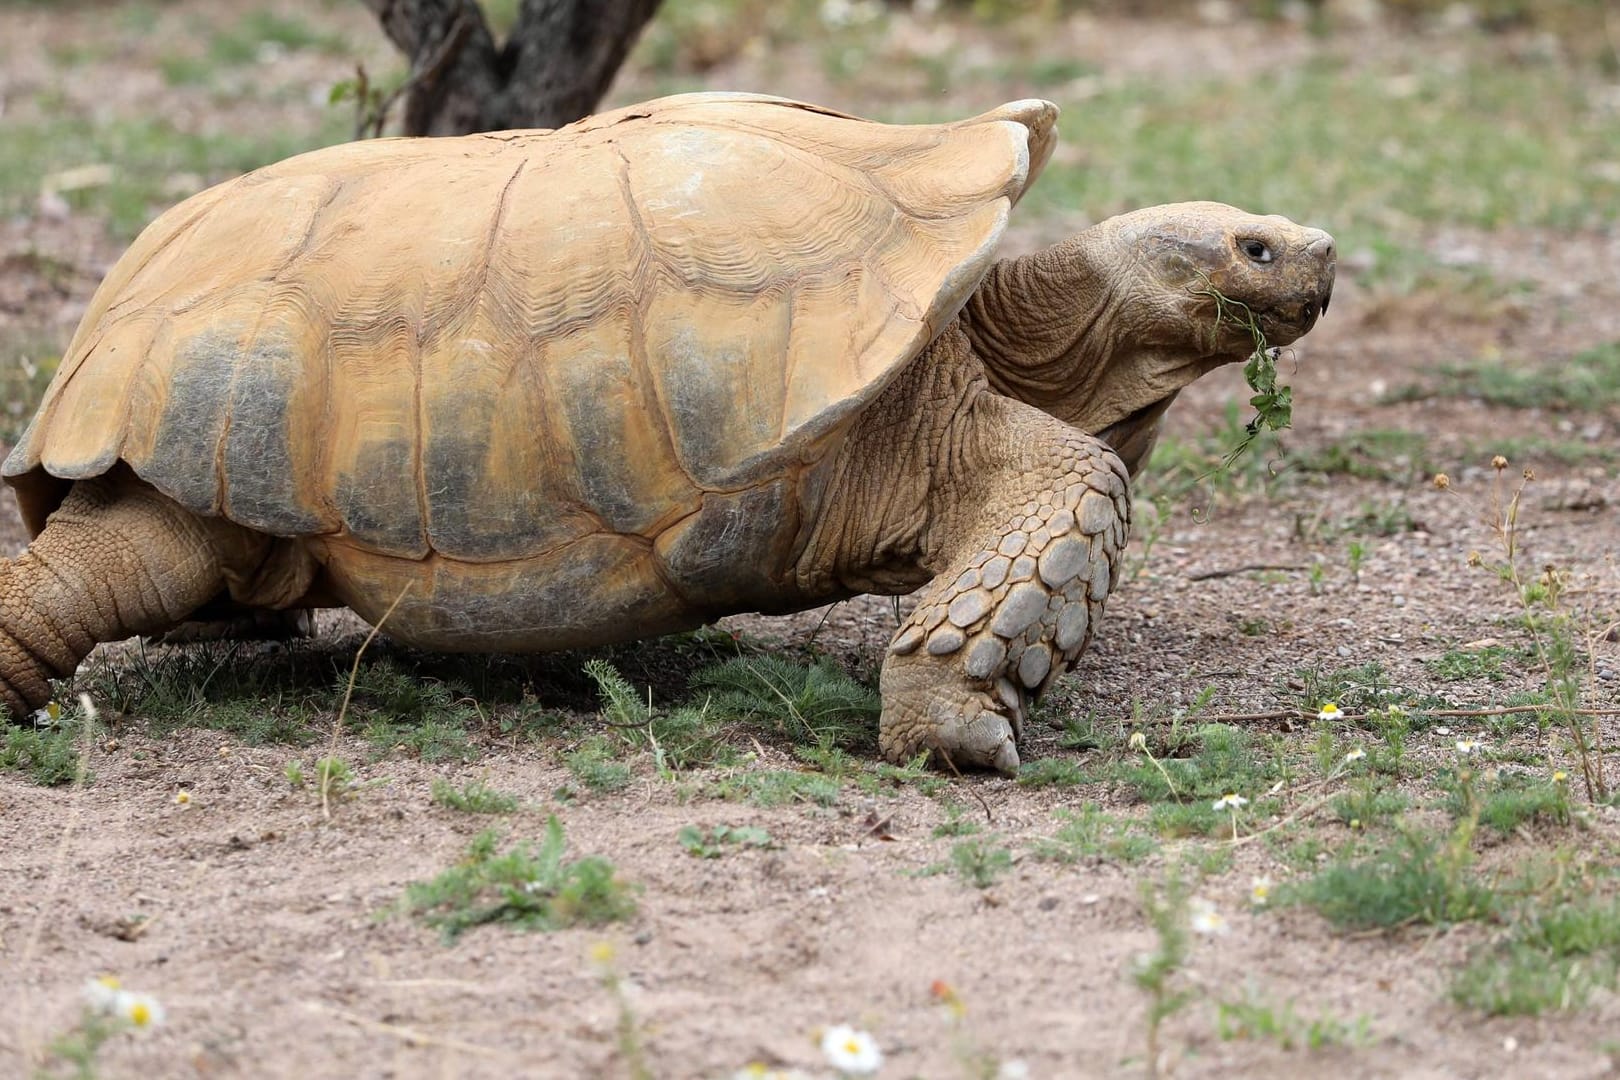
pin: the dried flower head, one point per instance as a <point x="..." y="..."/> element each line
<point x="1498" y="462"/>
<point x="1442" y="481"/>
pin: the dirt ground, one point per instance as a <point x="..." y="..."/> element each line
<point x="262" y="924"/>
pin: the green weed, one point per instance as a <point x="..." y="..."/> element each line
<point x="815" y="703"/>
<point x="1552" y="960"/>
<point x="1051" y="772"/>
<point x="687" y="737"/>
<point x="528" y="887"/>
<point x="594" y="764"/>
<point x="473" y="797"/>
<point x="1414" y="881"/>
<point x="776" y="788"/>
<point x="980" y="862"/>
<point x="1258" y="1019"/>
<point x="715" y="842"/>
<point x="1090" y="833"/>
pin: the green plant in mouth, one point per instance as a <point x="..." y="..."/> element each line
<point x="1273" y="404"/>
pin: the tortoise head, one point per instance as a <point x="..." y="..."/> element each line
<point x="1195" y="286"/>
<point x="1214" y="281"/>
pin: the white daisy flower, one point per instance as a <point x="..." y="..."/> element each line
<point x="1230" y="801"/>
<point x="851" y="1052"/>
<point x="1204" y="918"/>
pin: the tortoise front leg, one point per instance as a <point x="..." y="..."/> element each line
<point x="1020" y="596"/>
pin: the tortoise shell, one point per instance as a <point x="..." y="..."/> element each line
<point x="486" y="349"/>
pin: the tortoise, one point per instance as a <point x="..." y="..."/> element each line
<point x="709" y="354"/>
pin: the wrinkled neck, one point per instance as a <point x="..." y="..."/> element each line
<point x="1045" y="325"/>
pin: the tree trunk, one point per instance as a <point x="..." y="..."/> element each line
<point x="553" y="68"/>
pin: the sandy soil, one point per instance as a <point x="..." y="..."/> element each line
<point x="262" y="923"/>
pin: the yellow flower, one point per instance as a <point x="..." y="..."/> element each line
<point x="1467" y="746"/>
<point x="1355" y="755"/>
<point x="1329" y="711"/>
<point x="1260" y="891"/>
<point x="602" y="953"/>
<point x="182" y="797"/>
<point x="1560" y="776"/>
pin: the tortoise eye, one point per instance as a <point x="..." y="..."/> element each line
<point x="1255" y="250"/>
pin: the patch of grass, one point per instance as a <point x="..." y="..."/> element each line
<point x="244" y="43"/>
<point x="531" y="888"/>
<point x="1396" y="456"/>
<point x="715" y="842"/>
<point x="1258" y="1019"/>
<point x="815" y="703"/>
<point x="473" y="797"/>
<point x="279" y="698"/>
<point x="776" y="787"/>
<point x="1456" y="664"/>
<point x="1509" y="802"/>
<point x="1194" y="819"/>
<point x="687" y="737"/>
<point x="980" y="862"/>
<point x="26" y="369"/>
<point x="1588" y="380"/>
<point x="1223" y="760"/>
<point x="595" y="765"/>
<point x="1090" y="833"/>
<point x="1051" y="772"/>
<point x="145" y="153"/>
<point x="47" y="756"/>
<point x="1489" y="145"/>
<point x="1367" y="804"/>
<point x="1552" y="961"/>
<point x="1417" y="880"/>
<point x="956" y="823"/>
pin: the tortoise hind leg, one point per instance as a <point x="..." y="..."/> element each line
<point x="116" y="559"/>
<point x="1029" y="558"/>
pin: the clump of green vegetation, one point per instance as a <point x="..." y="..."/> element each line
<point x="1368" y="803"/>
<point x="48" y="754"/>
<point x="1553" y="960"/>
<point x="1588" y="380"/>
<point x="404" y="711"/>
<point x="1090" y="833"/>
<point x="956" y="823"/>
<point x="1051" y="772"/>
<point x="595" y="765"/>
<point x="531" y="888"/>
<point x="1416" y="880"/>
<point x="473" y="797"/>
<point x="715" y="842"/>
<point x="1224" y="760"/>
<point x="1508" y="801"/>
<point x="980" y="862"/>
<point x="1483" y="663"/>
<point x="776" y="787"/>
<point x="1255" y="1018"/>
<point x="815" y="703"/>
<point x="683" y="738"/>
